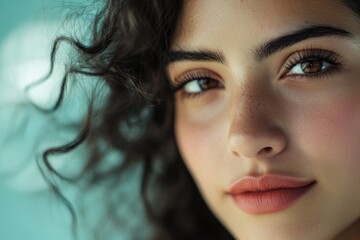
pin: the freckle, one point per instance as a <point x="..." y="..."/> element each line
<point x="252" y="102"/>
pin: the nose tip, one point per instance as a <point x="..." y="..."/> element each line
<point x="255" y="129"/>
<point x="266" y="145"/>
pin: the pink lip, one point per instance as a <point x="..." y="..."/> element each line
<point x="268" y="193"/>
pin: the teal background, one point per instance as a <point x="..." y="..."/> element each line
<point x="27" y="209"/>
<point x="16" y="12"/>
<point x="26" y="216"/>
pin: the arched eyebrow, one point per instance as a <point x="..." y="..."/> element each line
<point x="265" y="50"/>
<point x="196" y="55"/>
<point x="282" y="42"/>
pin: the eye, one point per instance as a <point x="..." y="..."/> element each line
<point x="196" y="83"/>
<point x="311" y="63"/>
<point x="200" y="85"/>
<point x="311" y="66"/>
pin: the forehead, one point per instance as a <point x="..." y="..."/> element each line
<point x="219" y="23"/>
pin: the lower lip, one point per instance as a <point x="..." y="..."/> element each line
<point x="269" y="201"/>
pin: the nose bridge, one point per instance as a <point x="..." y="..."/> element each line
<point x="249" y="109"/>
<point x="253" y="131"/>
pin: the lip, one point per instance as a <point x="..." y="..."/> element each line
<point x="268" y="193"/>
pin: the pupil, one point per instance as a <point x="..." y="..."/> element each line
<point x="312" y="66"/>
<point x="206" y="83"/>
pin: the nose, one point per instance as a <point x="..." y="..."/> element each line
<point x="262" y="144"/>
<point x="253" y="131"/>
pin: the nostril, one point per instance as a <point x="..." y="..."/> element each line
<point x="266" y="150"/>
<point x="235" y="153"/>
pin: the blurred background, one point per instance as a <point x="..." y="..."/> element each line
<point x="27" y="208"/>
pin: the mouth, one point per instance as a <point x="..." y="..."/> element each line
<point x="269" y="193"/>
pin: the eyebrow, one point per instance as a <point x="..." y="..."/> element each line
<point x="265" y="50"/>
<point x="196" y="55"/>
<point x="297" y="36"/>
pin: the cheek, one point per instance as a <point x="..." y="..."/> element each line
<point x="200" y="130"/>
<point x="201" y="145"/>
<point x="195" y="141"/>
<point x="331" y="130"/>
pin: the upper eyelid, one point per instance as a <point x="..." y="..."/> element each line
<point x="196" y="73"/>
<point x="178" y="68"/>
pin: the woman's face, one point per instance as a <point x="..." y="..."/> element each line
<point x="271" y="90"/>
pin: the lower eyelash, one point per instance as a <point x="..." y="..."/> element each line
<point x="184" y="95"/>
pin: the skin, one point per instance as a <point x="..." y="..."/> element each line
<point x="262" y="119"/>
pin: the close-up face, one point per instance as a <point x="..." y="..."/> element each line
<point x="268" y="114"/>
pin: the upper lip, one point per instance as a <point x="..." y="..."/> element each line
<point x="266" y="183"/>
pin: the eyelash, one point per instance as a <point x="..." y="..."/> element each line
<point x="189" y="77"/>
<point x="298" y="57"/>
<point x="313" y="54"/>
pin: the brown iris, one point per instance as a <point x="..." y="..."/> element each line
<point x="207" y="83"/>
<point x="312" y="66"/>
